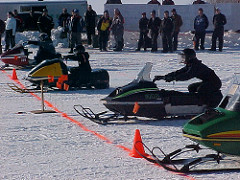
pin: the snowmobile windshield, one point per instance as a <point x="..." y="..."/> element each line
<point x="231" y="101"/>
<point x="144" y="74"/>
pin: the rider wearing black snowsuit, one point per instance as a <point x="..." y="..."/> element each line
<point x="46" y="49"/>
<point x="207" y="88"/>
<point x="196" y="69"/>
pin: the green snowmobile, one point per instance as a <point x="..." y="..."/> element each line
<point x="217" y="129"/>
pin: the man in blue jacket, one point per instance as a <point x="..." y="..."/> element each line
<point x="200" y="26"/>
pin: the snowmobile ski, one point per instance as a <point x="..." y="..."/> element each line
<point x="188" y="165"/>
<point x="26" y="90"/>
<point x="102" y="118"/>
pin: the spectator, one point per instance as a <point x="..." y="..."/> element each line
<point x="90" y="19"/>
<point x="62" y="19"/>
<point x="31" y="22"/>
<point x="19" y="20"/>
<point x="154" y="26"/>
<point x="168" y="2"/>
<point x="219" y="20"/>
<point x="11" y="26"/>
<point x="199" y="2"/>
<point x="200" y="26"/>
<point x="113" y="2"/>
<point x="2" y="29"/>
<point x="103" y="27"/>
<point x="45" y="23"/>
<point x="63" y="22"/>
<point x="76" y="25"/>
<point x="154" y="2"/>
<point x="143" y="27"/>
<point x="177" y="21"/>
<point x="118" y="30"/>
<point x="167" y="29"/>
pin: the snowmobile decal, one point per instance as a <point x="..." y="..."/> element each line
<point x="227" y="134"/>
<point x="135" y="91"/>
<point x="204" y="139"/>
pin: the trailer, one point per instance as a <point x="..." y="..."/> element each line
<point x="54" y="7"/>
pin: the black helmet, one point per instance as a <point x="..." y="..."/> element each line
<point x="44" y="37"/>
<point x="79" y="49"/>
<point x="187" y="55"/>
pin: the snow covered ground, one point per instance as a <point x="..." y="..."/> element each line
<point x="54" y="146"/>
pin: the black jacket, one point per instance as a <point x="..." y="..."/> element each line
<point x="196" y="69"/>
<point x="63" y="18"/>
<point x="167" y="26"/>
<point x="219" y="20"/>
<point x="154" y="25"/>
<point x="90" y="19"/>
<point x="143" y="24"/>
<point x="45" y="23"/>
<point x="83" y="61"/>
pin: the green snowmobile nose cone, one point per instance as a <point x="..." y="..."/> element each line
<point x="219" y="129"/>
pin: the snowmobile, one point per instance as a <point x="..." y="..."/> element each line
<point x="17" y="56"/>
<point x="217" y="129"/>
<point x="142" y="98"/>
<point x="55" y="73"/>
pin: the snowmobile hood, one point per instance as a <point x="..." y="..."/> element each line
<point x="132" y="88"/>
<point x="217" y="128"/>
<point x="55" y="68"/>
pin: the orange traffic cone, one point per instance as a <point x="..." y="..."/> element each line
<point x="14" y="75"/>
<point x="137" y="146"/>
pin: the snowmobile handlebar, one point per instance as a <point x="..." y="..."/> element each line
<point x="157" y="78"/>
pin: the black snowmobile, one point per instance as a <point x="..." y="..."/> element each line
<point x="143" y="98"/>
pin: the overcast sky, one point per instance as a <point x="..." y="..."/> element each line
<point x="98" y="4"/>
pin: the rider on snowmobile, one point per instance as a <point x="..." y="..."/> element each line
<point x="194" y="69"/>
<point x="46" y="49"/>
<point x="82" y="72"/>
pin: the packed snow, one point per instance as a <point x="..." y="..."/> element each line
<point x="49" y="146"/>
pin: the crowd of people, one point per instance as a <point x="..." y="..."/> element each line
<point x="169" y="28"/>
<point x="73" y="26"/>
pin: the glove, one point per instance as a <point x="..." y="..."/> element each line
<point x="156" y="78"/>
<point x="169" y="78"/>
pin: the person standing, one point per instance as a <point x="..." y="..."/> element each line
<point x="199" y="2"/>
<point x="168" y="2"/>
<point x="200" y="26"/>
<point x="103" y="27"/>
<point x="45" y="23"/>
<point x="63" y="22"/>
<point x="31" y="22"/>
<point x="177" y="21"/>
<point x="219" y="20"/>
<point x="118" y="30"/>
<point x="114" y="2"/>
<point x="143" y="27"/>
<point x="154" y="26"/>
<point x="76" y="25"/>
<point x="90" y="20"/>
<point x="154" y="2"/>
<point x="2" y="29"/>
<point x="11" y="26"/>
<point x="166" y="30"/>
<point x="19" y="20"/>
